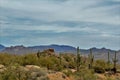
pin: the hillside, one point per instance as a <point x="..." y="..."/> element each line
<point x="98" y="53"/>
<point x="2" y="47"/>
<point x="48" y="65"/>
<point x="20" y="49"/>
<point x="57" y="48"/>
<point x="32" y="49"/>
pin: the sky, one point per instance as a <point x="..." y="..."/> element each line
<point x="83" y="23"/>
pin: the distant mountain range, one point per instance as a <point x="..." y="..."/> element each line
<point x="98" y="53"/>
<point x="32" y="49"/>
<point x="58" y="48"/>
<point x="2" y="47"/>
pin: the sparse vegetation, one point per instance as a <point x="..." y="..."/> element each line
<point x="91" y="59"/>
<point x="78" y="59"/>
<point x="72" y="65"/>
<point x="115" y="61"/>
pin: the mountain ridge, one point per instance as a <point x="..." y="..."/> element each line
<point x="2" y="47"/>
<point x="99" y="53"/>
<point x="21" y="49"/>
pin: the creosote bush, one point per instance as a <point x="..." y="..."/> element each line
<point x="85" y="74"/>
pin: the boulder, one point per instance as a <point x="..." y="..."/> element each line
<point x="49" y="51"/>
<point x="32" y="67"/>
<point x="58" y="76"/>
<point x="2" y="68"/>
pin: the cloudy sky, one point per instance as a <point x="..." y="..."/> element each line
<point x="84" y="23"/>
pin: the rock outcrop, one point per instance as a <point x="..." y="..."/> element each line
<point x="58" y="76"/>
<point x="2" y="68"/>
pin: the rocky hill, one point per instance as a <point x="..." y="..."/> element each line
<point x="2" y="47"/>
<point x="98" y="53"/>
<point x="32" y="49"/>
<point x="58" y="48"/>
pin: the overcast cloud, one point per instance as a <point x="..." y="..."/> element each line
<point x="84" y="23"/>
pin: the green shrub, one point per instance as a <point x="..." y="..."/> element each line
<point x="67" y="72"/>
<point x="85" y="74"/>
<point x="99" y="70"/>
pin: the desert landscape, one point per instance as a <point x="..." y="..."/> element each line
<point x="59" y="39"/>
<point x="50" y="65"/>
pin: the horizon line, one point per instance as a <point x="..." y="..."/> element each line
<point x="57" y="45"/>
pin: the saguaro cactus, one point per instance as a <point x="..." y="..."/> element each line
<point x="115" y="60"/>
<point x="38" y="54"/>
<point x="78" y="59"/>
<point x="91" y="59"/>
<point x="108" y="58"/>
<point x="60" y="57"/>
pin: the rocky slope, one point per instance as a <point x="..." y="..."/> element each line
<point x="33" y="72"/>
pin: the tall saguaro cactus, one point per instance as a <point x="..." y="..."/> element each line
<point x="38" y="54"/>
<point x="78" y="59"/>
<point x="60" y="57"/>
<point x="115" y="60"/>
<point x="108" y="58"/>
<point x="91" y="59"/>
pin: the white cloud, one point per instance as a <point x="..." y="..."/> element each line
<point x="108" y="35"/>
<point x="69" y="10"/>
<point x="45" y="28"/>
<point x="103" y="13"/>
<point x="116" y="0"/>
